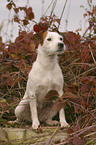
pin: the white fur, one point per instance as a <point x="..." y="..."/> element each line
<point x="44" y="76"/>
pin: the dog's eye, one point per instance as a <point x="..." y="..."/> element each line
<point x="49" y="39"/>
<point x="61" y="38"/>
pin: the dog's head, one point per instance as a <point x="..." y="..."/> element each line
<point x="51" y="43"/>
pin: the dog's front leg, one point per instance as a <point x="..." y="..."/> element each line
<point x="34" y="114"/>
<point x="62" y="118"/>
<point x="63" y="121"/>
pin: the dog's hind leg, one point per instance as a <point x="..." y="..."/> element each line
<point x="22" y="111"/>
<point x="49" y="120"/>
<point x="47" y="113"/>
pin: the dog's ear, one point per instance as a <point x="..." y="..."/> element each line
<point x="40" y="36"/>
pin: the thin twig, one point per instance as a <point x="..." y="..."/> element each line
<point x="83" y="109"/>
<point x="62" y="13"/>
<point x="82" y="74"/>
<point x="53" y="7"/>
<point x="52" y="136"/>
<point x="85" y="32"/>
<point x="92" y="54"/>
<point x="93" y="133"/>
<point x="48" y="8"/>
<point x="77" y="133"/>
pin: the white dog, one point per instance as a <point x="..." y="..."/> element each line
<point x="44" y="76"/>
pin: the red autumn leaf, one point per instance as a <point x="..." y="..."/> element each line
<point x="16" y="10"/>
<point x="85" y="104"/>
<point x="85" y="54"/>
<point x="10" y="81"/>
<point x="32" y="46"/>
<point x="5" y="75"/>
<point x="85" y="14"/>
<point x="85" y="80"/>
<point x="72" y="39"/>
<point x="21" y="64"/>
<point x="84" y="66"/>
<point x="31" y="16"/>
<point x="25" y="22"/>
<point x="23" y="33"/>
<point x="92" y="78"/>
<point x="94" y="10"/>
<point x="69" y="95"/>
<point x="90" y="13"/>
<point x="52" y="95"/>
<point x="36" y="28"/>
<point x="95" y="82"/>
<point x="23" y="8"/>
<point x="3" y="105"/>
<point x="59" y="104"/>
<point x="44" y="27"/>
<point x="16" y="20"/>
<point x="85" y="88"/>
<point x="78" y="141"/>
<point x="29" y="10"/>
<point x="70" y="130"/>
<point x="67" y="89"/>
<point x="94" y="90"/>
<point x="9" y="6"/>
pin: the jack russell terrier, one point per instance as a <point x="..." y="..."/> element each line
<point x="44" y="76"/>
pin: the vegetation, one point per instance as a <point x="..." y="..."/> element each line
<point x="78" y="64"/>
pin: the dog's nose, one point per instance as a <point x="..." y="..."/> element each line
<point x="61" y="45"/>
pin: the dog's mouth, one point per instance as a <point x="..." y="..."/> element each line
<point x="60" y="50"/>
<point x="60" y="47"/>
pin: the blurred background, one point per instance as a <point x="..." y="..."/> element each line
<point x="72" y="18"/>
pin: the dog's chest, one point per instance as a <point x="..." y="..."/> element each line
<point x="50" y="80"/>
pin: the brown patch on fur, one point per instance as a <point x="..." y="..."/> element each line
<point x="44" y="36"/>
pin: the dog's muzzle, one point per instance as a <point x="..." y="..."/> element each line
<point x="60" y="47"/>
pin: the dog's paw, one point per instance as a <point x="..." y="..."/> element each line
<point x="15" y="121"/>
<point x="35" y="125"/>
<point x="52" y="122"/>
<point x="64" y="124"/>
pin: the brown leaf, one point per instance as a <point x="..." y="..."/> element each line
<point x="69" y="95"/>
<point x="70" y="130"/>
<point x="95" y="82"/>
<point x="29" y="10"/>
<point x="31" y="16"/>
<point x="23" y="8"/>
<point x="59" y="104"/>
<point x="5" y="75"/>
<point x="94" y="10"/>
<point x="16" y="19"/>
<point x="25" y="22"/>
<point x="72" y="38"/>
<point x="92" y="78"/>
<point x="57" y="20"/>
<point x="16" y="10"/>
<point x="78" y="141"/>
<point x="85" y="57"/>
<point x="9" y="6"/>
<point x="52" y="95"/>
<point x="85" y="80"/>
<point x="36" y="28"/>
<point x="10" y="81"/>
<point x="94" y="90"/>
<point x="85" y="88"/>
<point x="21" y="64"/>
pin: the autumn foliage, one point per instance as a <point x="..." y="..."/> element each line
<point x="78" y="64"/>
